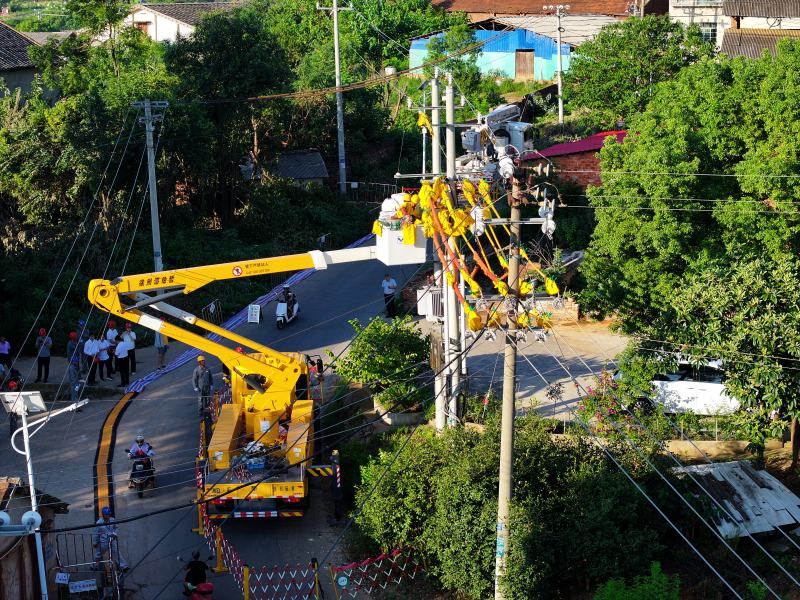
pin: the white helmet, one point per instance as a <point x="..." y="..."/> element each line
<point x="140" y="438"/>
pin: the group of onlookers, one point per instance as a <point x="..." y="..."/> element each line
<point x="110" y="353"/>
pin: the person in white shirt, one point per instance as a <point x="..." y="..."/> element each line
<point x="389" y="286"/>
<point x="129" y="335"/>
<point x="91" y="348"/>
<point x="111" y="336"/>
<point x="123" y="364"/>
<point x="104" y="360"/>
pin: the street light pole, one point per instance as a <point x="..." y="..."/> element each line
<point x="31" y="483"/>
<point x="559" y="11"/>
<point x="335" y="8"/>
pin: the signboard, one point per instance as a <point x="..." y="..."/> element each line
<point x="86" y="585"/>
<point x="62" y="577"/>
<point x="254" y="313"/>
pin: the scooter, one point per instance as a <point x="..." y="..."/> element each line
<point x="142" y="473"/>
<point x="285" y="314"/>
<point x="201" y="591"/>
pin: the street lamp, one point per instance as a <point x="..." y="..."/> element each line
<point x="20" y="403"/>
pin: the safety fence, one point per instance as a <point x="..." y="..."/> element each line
<point x="235" y="321"/>
<point x="85" y="572"/>
<point x="376" y="573"/>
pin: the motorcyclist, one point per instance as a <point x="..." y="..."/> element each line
<point x="288" y="297"/>
<point x="195" y="574"/>
<point x="141" y="449"/>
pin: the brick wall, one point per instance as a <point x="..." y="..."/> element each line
<point x="582" y="161"/>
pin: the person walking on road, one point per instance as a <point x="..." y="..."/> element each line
<point x="162" y="345"/>
<point x="5" y="352"/>
<point x="203" y="384"/>
<point x="73" y="366"/>
<point x="129" y="336"/>
<point x="43" y="344"/>
<point x="105" y="540"/>
<point x="123" y="362"/>
<point x="389" y="286"/>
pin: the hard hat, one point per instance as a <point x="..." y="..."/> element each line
<point x="106" y="511"/>
<point x="128" y="325"/>
<point x="286" y="286"/>
<point x="140" y="438"/>
<point x="12" y="385"/>
<point x="42" y="331"/>
<point x="201" y="358"/>
<point x="112" y="323"/>
<point x="81" y="322"/>
<point x="73" y="335"/>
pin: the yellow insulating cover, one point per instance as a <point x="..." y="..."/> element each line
<point x="469" y="191"/>
<point x="226" y="436"/>
<point x="409" y="234"/>
<point x="501" y="287"/>
<point x="525" y="288"/>
<point x="550" y="286"/>
<point x="425" y="196"/>
<point x="377" y="228"/>
<point x="473" y="285"/>
<point x="474" y="320"/>
<point x="303" y="411"/>
<point x="262" y="425"/>
<point x="297" y="442"/>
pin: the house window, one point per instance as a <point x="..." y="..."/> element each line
<point x="708" y="31"/>
<point x="142" y="26"/>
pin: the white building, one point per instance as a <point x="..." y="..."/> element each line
<point x="707" y="14"/>
<point x="167" y="22"/>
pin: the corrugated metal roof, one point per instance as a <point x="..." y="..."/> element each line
<point x="532" y="7"/>
<point x="577" y="28"/>
<point x="751" y="43"/>
<point x="190" y="13"/>
<point x="14" y="49"/>
<point x="11" y="487"/>
<point x="302" y="164"/>
<point x="761" y="8"/>
<point x="755" y="501"/>
<point x="593" y="143"/>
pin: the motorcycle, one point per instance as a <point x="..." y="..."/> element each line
<point x="142" y="473"/>
<point x="285" y="314"/>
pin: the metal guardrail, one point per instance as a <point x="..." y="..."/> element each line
<point x="78" y="570"/>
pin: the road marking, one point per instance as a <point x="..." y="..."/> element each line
<point x="103" y="468"/>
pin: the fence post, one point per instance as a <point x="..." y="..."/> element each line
<point x="199" y="530"/>
<point x="335" y="585"/>
<point x="220" y="566"/>
<point x="246" y="582"/>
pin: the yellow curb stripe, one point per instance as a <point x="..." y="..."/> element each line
<point x="103" y="469"/>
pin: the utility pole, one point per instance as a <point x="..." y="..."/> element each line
<point x="559" y="11"/>
<point x="452" y="318"/>
<point x="440" y="384"/>
<point x="436" y="137"/>
<point x="149" y="120"/>
<point x="335" y="8"/>
<point x="509" y="394"/>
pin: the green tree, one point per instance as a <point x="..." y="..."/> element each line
<point x="615" y="74"/>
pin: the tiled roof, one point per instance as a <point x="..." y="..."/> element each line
<point x="302" y="164"/>
<point x="12" y="487"/>
<point x="761" y="8"/>
<point x="534" y="7"/>
<point x="14" y="49"/>
<point x="751" y="43"/>
<point x="190" y="13"/>
<point x="578" y="28"/>
<point x="593" y="143"/>
<point x="42" y="37"/>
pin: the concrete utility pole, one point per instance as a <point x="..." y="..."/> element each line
<point x="509" y="389"/>
<point x="339" y="99"/>
<point x="452" y="319"/>
<point x="436" y="136"/>
<point x="559" y="11"/>
<point x="149" y="120"/>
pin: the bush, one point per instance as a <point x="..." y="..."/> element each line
<point x="656" y="586"/>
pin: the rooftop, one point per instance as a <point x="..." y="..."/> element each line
<point x="189" y="13"/>
<point x="42" y="37"/>
<point x="14" y="49"/>
<point x="302" y="164"/>
<point x="751" y="43"/>
<point x="14" y="487"/>
<point x="761" y="8"/>
<point x="593" y="143"/>
<point x="532" y="7"/>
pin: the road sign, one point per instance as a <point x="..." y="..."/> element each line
<point x="254" y="313"/>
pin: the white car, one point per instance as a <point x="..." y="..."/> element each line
<point x="698" y="389"/>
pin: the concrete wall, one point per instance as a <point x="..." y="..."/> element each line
<point x="159" y="27"/>
<point x="22" y="78"/>
<point x="688" y="12"/>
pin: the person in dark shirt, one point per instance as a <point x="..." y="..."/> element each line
<point x="196" y="570"/>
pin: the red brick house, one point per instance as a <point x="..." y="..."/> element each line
<point x="577" y="162"/>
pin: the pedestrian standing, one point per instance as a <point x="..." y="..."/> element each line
<point x="111" y="336"/>
<point x="83" y="335"/>
<point x="103" y="358"/>
<point x="389" y="286"/>
<point x="43" y="344"/>
<point x="105" y="540"/>
<point x="73" y="366"/>
<point x="162" y="345"/>
<point x="203" y="384"/>
<point x="129" y="335"/>
<point x="122" y="360"/>
<point x="91" y="349"/>
<point x="5" y="352"/>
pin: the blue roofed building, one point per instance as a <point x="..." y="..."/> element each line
<point x="522" y="48"/>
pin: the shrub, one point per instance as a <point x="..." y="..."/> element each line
<point x="656" y="586"/>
